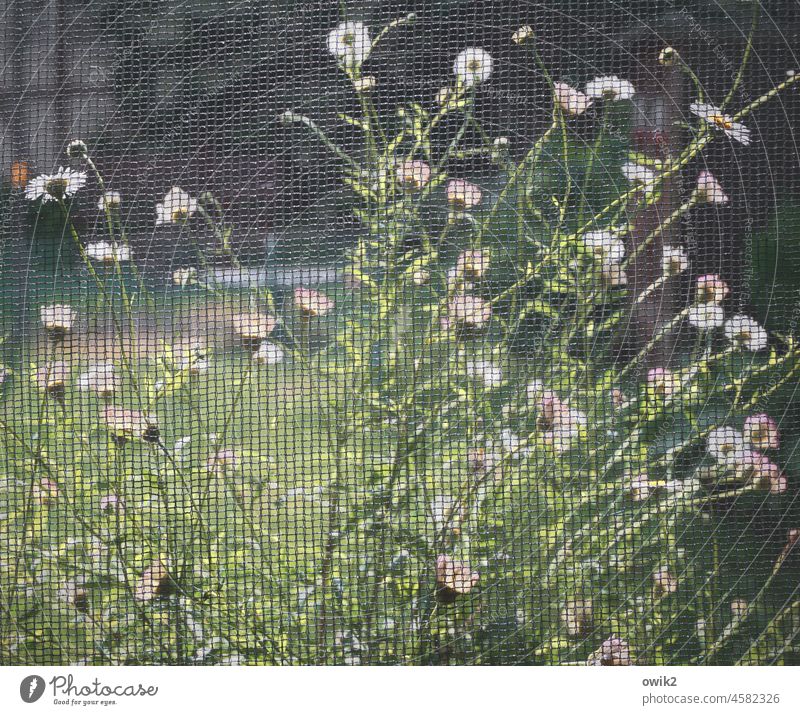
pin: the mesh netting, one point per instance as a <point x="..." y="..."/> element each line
<point x="382" y="332"/>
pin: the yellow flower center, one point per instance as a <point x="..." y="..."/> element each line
<point x="721" y="121"/>
<point x="57" y="187"/>
<point x="474" y="66"/>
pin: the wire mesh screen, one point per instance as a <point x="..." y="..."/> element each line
<point x="382" y="332"/>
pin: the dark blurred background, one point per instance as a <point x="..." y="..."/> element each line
<point x="189" y="93"/>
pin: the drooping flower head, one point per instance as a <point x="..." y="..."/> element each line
<point x="664" y="583"/>
<point x="610" y="88"/>
<point x="251" y="328"/>
<point x="473" y="66"/>
<point x="184" y="277"/>
<point x="52" y="379"/>
<point x="719" y="120"/>
<point x="453" y="578"/>
<point x="462" y="194"/>
<point x="64" y="184"/>
<point x="125" y="425"/>
<point x="472" y="264"/>
<point x="312" y="303"/>
<point x="469" y="312"/>
<point x="350" y="43"/>
<point x="100" y="379"/>
<point x="745" y="333"/>
<point x="711" y="289"/>
<point x="413" y="174"/>
<point x="710" y="190"/>
<point x="57" y="320"/>
<point x="178" y="207"/>
<point x="761" y="431"/>
<point x="668" y="57"/>
<point x="571" y="100"/>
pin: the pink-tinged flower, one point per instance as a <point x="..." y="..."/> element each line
<point x="613" y="651"/>
<point x="566" y="428"/>
<point x="710" y="190"/>
<point x="761" y="431"/>
<point x="571" y="100"/>
<point x="578" y="616"/>
<point x="469" y="312"/>
<point x="706" y="316"/>
<point x="745" y="333"/>
<point x="711" y="289"/>
<point x="462" y="194"/>
<point x="549" y="406"/>
<point x="760" y="470"/>
<point x="726" y="445"/>
<point x="618" y="399"/>
<point x="413" y="175"/>
<point x="124" y="425"/>
<point x="662" y="382"/>
<point x="453" y="578"/>
<point x="45" y="492"/>
<point x="472" y="264"/>
<point x="312" y="303"/>
<point x="252" y="328"/>
<point x="482" y="463"/>
<point x="719" y="120"/>
<point x="664" y="583"/>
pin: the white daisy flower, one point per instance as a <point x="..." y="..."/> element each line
<point x="717" y="118"/>
<point x="567" y="427"/>
<point x="710" y="190"/>
<point x="706" y="316"/>
<point x="268" y="353"/>
<point x="605" y="247"/>
<point x="674" y="260"/>
<point x="350" y="43"/>
<point x="473" y="66"/>
<point x="64" y="184"/>
<point x="177" y="207"/>
<point x="512" y="444"/>
<point x="610" y="87"/>
<point x="571" y="100"/>
<point x="105" y="252"/>
<point x="726" y="445"/>
<point x="744" y="332"/>
<point x="487" y="372"/>
<point x="109" y="200"/>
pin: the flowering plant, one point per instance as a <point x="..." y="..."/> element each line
<point x="497" y="479"/>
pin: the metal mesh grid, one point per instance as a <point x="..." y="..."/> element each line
<point x="434" y="332"/>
